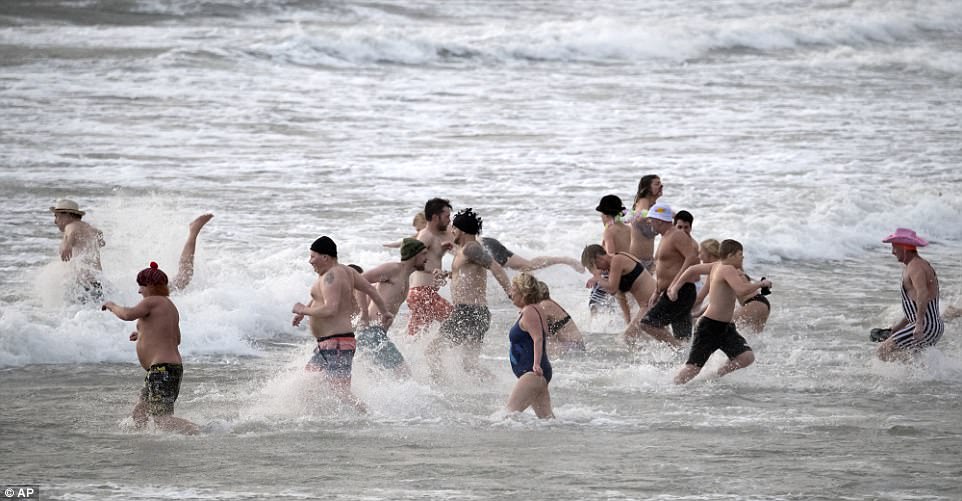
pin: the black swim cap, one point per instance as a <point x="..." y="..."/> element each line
<point x="468" y="221"/>
<point x="325" y="245"/>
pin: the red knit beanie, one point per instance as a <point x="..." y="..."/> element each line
<point x="151" y="276"/>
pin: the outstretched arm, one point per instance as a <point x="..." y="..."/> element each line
<point x="690" y="274"/>
<point x="140" y="310"/>
<point x="741" y="285"/>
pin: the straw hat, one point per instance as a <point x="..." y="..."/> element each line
<point x="68" y="206"/>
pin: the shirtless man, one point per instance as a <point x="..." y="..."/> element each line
<point x="330" y="309"/>
<point x="157" y="337"/>
<point x="392" y="281"/>
<point x="622" y="273"/>
<point x="426" y="305"/>
<point x="80" y="245"/>
<point x="676" y="252"/>
<point x="716" y="331"/>
<point x="471" y="318"/>
<point x="642" y="234"/>
<point x="921" y="325"/>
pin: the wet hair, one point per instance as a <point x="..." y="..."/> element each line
<point x="711" y="246"/>
<point x="435" y="206"/>
<point x="543" y="290"/>
<point x="419" y="220"/>
<point x="685" y="216"/>
<point x="528" y="287"/>
<point x="589" y="255"/>
<point x="729" y="248"/>
<point x="356" y="268"/>
<point x="644" y="186"/>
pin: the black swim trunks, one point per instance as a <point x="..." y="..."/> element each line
<point x="713" y="335"/>
<point x="498" y="251"/>
<point x="467" y="323"/>
<point x="676" y="313"/>
<point x="161" y="387"/>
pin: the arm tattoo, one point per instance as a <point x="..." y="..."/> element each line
<point x="329" y="277"/>
<point x="475" y="253"/>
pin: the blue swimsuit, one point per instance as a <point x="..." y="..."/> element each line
<point x="522" y="351"/>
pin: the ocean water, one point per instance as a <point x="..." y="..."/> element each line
<point x="806" y="130"/>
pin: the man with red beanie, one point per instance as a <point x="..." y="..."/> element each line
<point x="157" y="337"/>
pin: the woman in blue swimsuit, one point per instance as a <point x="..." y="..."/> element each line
<point x="529" y="358"/>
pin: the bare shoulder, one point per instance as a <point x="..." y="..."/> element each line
<point x="338" y="275"/>
<point x="476" y="253"/>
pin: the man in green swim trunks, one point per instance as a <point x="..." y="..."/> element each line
<point x="157" y="337"/>
<point x="392" y="281"/>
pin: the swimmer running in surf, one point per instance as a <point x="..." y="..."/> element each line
<point x="716" y="331"/>
<point x="157" y="337"/>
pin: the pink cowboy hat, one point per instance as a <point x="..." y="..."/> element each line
<point x="905" y="236"/>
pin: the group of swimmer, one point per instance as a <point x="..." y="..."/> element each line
<point x="352" y="309"/>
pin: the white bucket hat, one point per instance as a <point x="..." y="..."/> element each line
<point x="662" y="212"/>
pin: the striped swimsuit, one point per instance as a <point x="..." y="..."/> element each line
<point x="933" y="324"/>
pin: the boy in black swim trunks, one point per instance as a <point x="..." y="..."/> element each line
<point x="157" y="337"/>
<point x="715" y="330"/>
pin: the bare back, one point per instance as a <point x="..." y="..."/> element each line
<point x="392" y="282"/>
<point x="334" y="288"/>
<point x="158" y="332"/>
<point x="82" y="243"/>
<point x="553" y="312"/>
<point x="642" y="243"/>
<point x="920" y="281"/>
<point x="617" y="238"/>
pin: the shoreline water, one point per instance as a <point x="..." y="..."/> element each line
<point x="807" y="131"/>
